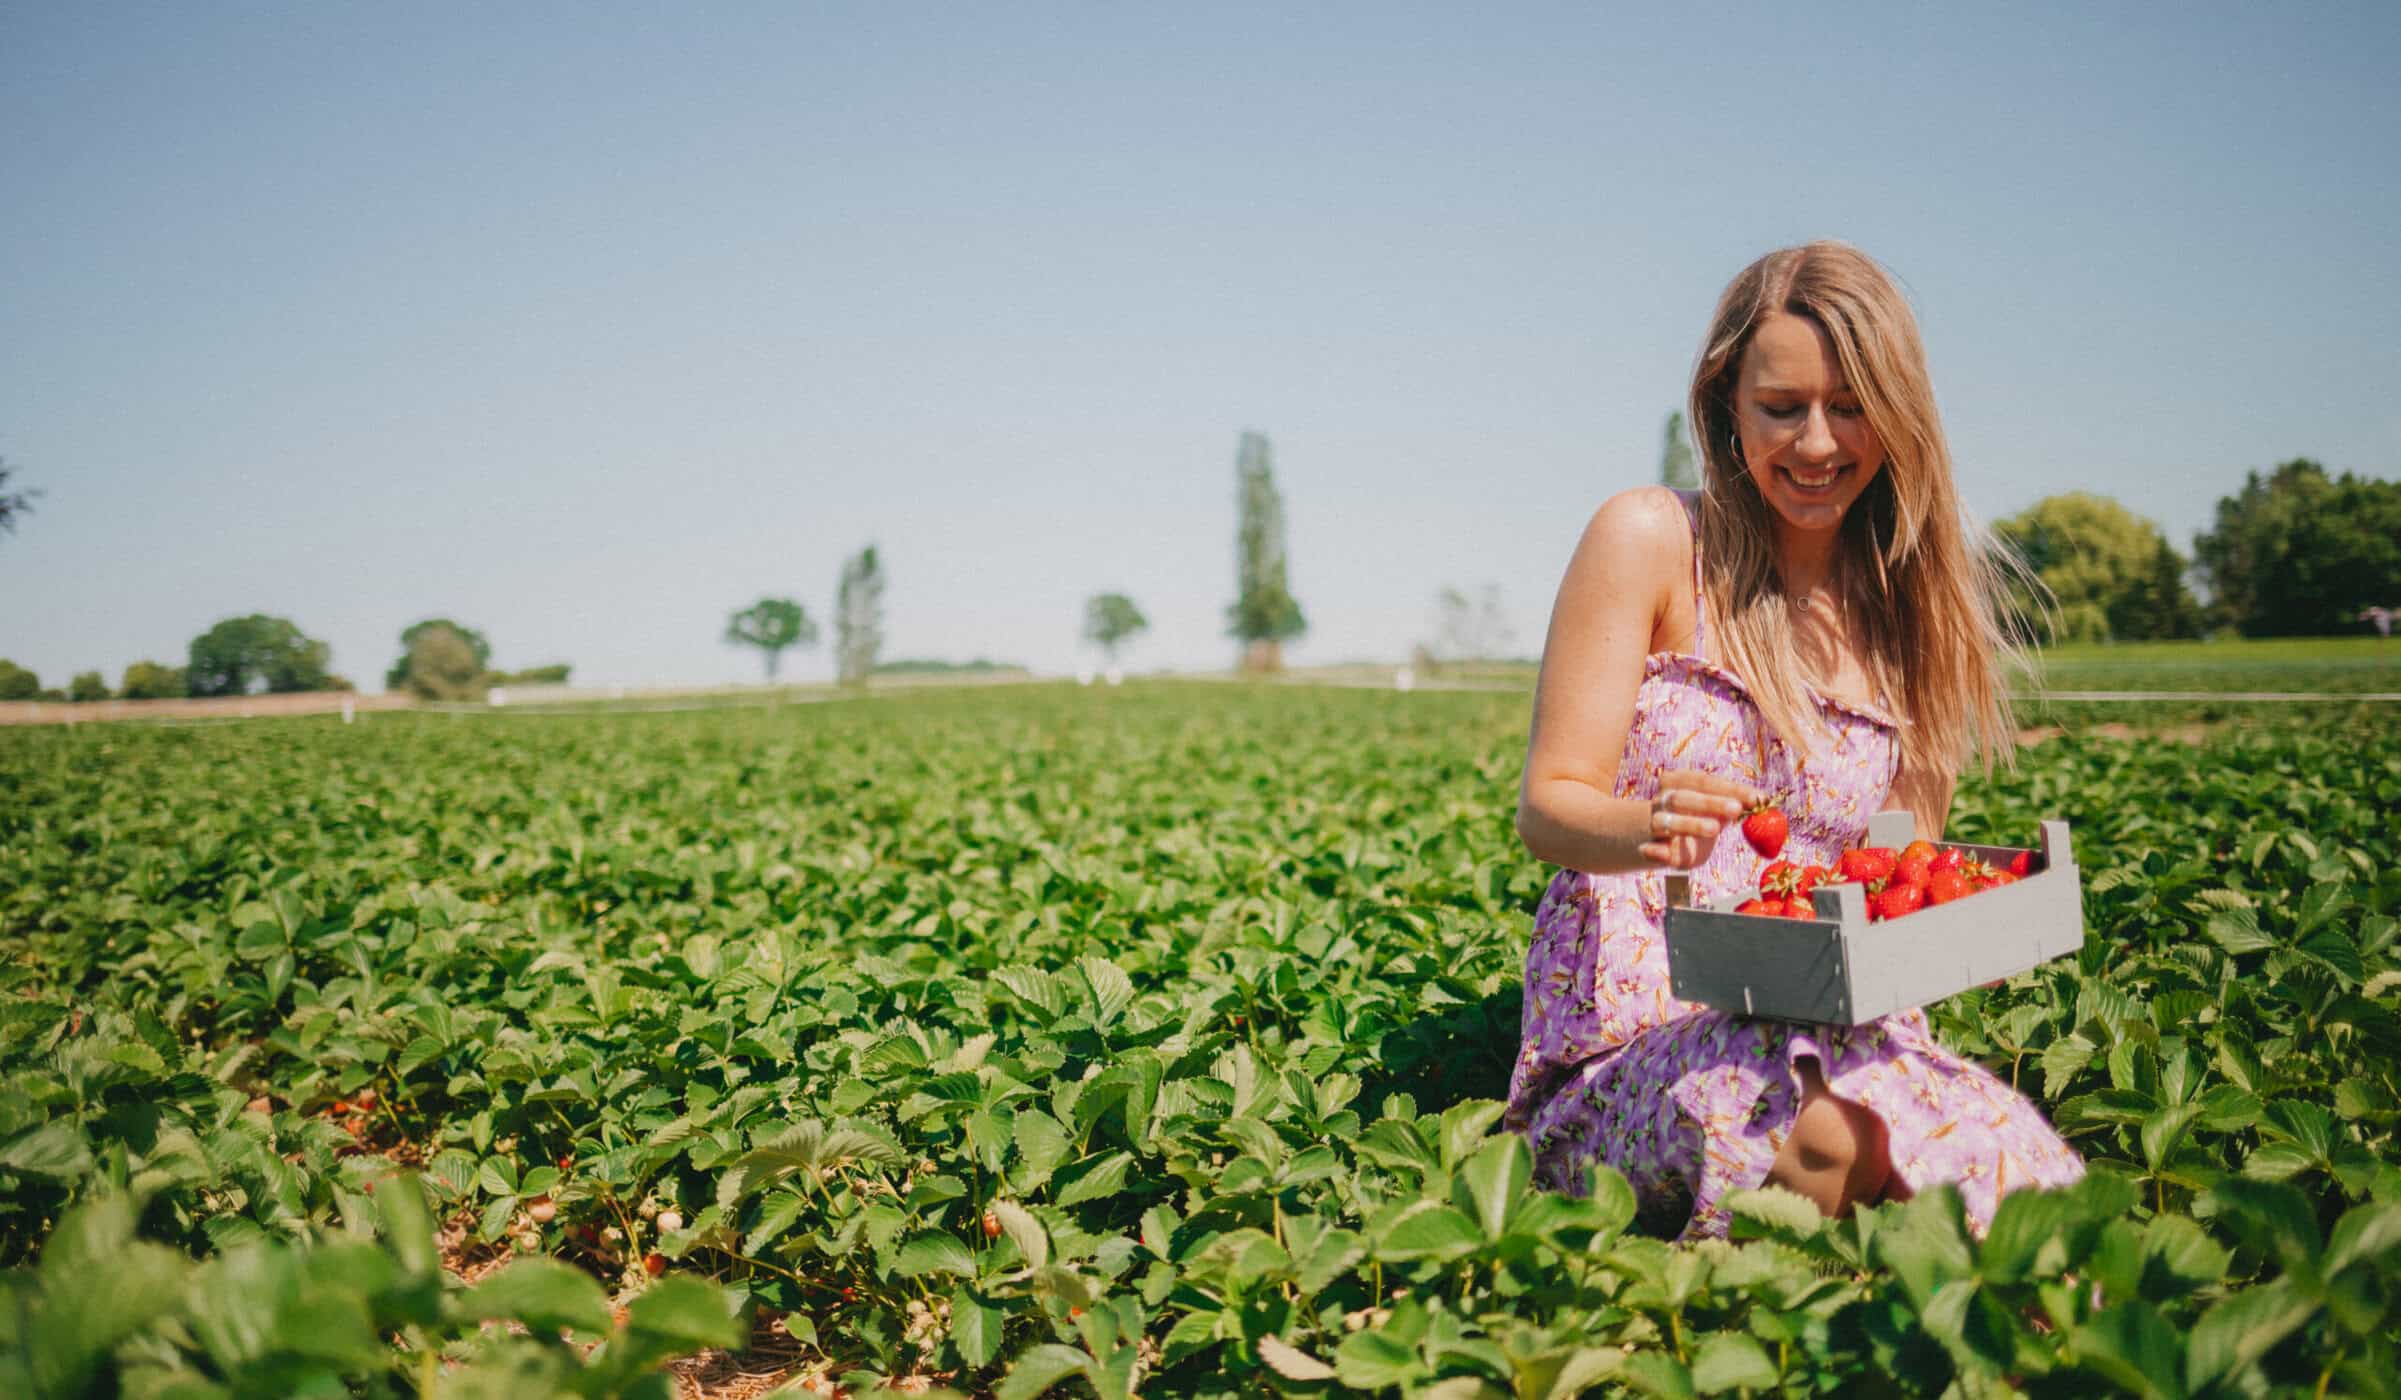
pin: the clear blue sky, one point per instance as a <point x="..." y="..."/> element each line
<point x="588" y="323"/>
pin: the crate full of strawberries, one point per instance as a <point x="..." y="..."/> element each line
<point x="1894" y="923"/>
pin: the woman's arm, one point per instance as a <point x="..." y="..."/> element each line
<point x="1629" y="566"/>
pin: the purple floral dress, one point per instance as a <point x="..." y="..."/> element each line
<point x="1686" y="1100"/>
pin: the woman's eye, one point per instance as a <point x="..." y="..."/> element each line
<point x="1849" y="410"/>
<point x="1790" y="410"/>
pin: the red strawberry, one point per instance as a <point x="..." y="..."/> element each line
<point x="1949" y="885"/>
<point x="1767" y="908"/>
<point x="654" y="1264"/>
<point x="1765" y="828"/>
<point x="1799" y="907"/>
<point x="2022" y="864"/>
<point x="1792" y="882"/>
<point x="1912" y="870"/>
<point x="1897" y="900"/>
<point x="2000" y="878"/>
<point x="1866" y="865"/>
<point x="1948" y="858"/>
<point x="1919" y="847"/>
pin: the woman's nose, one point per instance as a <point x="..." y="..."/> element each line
<point x="1817" y="436"/>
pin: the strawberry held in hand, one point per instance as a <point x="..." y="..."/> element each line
<point x="1765" y="828"/>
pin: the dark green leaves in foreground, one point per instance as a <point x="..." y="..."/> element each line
<point x="1050" y="1041"/>
<point x="359" y="1310"/>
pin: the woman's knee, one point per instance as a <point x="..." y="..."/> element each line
<point x="1826" y="1139"/>
<point x="1838" y="1155"/>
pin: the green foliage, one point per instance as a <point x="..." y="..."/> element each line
<point x="245" y="654"/>
<point x="440" y="660"/>
<point x="773" y="625"/>
<point x="1111" y="620"/>
<point x="555" y="674"/>
<point x="1264" y="612"/>
<point x="149" y="680"/>
<point x="106" y="1311"/>
<point x="859" y="617"/>
<point x="1675" y="456"/>
<point x="935" y="666"/>
<point x="87" y="686"/>
<point x="17" y="683"/>
<point x="2113" y="574"/>
<point x="14" y="505"/>
<point x="1201" y="998"/>
<point x="478" y="649"/>
<point x="1468" y="629"/>
<point x="2299" y="553"/>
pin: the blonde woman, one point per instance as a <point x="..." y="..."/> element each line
<point x="1814" y="628"/>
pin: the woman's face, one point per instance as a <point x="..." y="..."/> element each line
<point x="1805" y="440"/>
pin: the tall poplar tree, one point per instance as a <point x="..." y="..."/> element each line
<point x="1675" y="457"/>
<point x="859" y="617"/>
<point x="1264" y="615"/>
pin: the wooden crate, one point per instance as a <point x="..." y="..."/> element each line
<point x="1838" y="968"/>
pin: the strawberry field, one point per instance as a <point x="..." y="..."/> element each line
<point x="1139" y="1041"/>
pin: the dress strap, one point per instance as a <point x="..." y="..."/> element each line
<point x="1691" y="501"/>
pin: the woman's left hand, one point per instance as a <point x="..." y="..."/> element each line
<point x="1689" y="812"/>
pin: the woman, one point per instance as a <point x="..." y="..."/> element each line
<point x="1816" y="630"/>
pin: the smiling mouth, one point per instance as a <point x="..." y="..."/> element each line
<point x="1814" y="481"/>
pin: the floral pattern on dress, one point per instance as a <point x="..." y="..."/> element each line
<point x="1683" y="1099"/>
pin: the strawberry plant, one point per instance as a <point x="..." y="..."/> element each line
<point x="1138" y="1042"/>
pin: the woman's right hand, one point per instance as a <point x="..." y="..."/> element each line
<point x="1689" y="812"/>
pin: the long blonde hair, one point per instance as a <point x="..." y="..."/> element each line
<point x="1927" y="592"/>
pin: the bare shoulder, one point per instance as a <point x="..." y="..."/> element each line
<point x="1637" y="534"/>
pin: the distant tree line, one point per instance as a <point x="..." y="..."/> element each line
<point x="439" y="660"/>
<point x="776" y="625"/>
<point x="445" y="660"/>
<point x="2112" y="575"/>
<point x="1466" y="630"/>
<point x="2295" y="553"/>
<point x="934" y="666"/>
<point x="2299" y="553"/>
